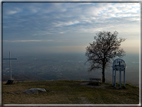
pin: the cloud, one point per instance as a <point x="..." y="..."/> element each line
<point x="69" y="23"/>
<point x="27" y="40"/>
<point x="53" y="15"/>
<point x="11" y="10"/>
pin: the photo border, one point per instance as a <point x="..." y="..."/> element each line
<point x="37" y="1"/>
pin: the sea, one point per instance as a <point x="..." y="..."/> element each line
<point x="65" y="66"/>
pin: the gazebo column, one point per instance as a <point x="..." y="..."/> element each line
<point x="124" y="78"/>
<point x="115" y="79"/>
<point x="120" y="78"/>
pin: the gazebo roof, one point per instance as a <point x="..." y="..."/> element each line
<point x="119" y="64"/>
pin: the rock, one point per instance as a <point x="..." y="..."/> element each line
<point x="35" y="90"/>
<point x="10" y="82"/>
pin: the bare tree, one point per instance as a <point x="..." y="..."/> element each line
<point x="104" y="49"/>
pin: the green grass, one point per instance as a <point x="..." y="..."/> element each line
<point x="68" y="92"/>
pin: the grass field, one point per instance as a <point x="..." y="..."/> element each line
<point x="68" y="92"/>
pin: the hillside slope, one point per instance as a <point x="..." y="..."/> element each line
<point x="68" y="92"/>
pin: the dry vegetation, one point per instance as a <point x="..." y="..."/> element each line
<point x="68" y="92"/>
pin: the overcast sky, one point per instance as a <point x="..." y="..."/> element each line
<point x="67" y="27"/>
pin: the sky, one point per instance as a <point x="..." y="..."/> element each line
<point x="67" y="27"/>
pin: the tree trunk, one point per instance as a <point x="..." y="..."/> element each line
<point x="103" y="75"/>
<point x="103" y="70"/>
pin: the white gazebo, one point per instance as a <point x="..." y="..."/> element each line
<point x="118" y="65"/>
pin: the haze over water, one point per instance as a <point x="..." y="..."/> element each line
<point x="37" y="67"/>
